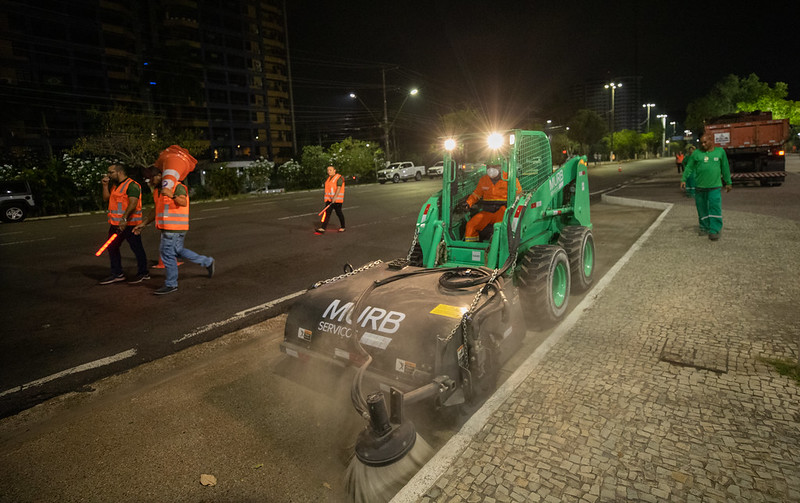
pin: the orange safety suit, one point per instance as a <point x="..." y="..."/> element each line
<point x="330" y="189"/>
<point x="489" y="191"/>
<point x="118" y="202"/>
<point x="170" y="216"/>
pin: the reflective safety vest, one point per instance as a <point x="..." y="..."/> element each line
<point x="118" y="203"/>
<point x="170" y="216"/>
<point x="330" y="188"/>
<point x="489" y="191"/>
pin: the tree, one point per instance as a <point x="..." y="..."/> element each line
<point x="735" y="94"/>
<point x="586" y="128"/>
<point x="355" y="157"/>
<point x="224" y="182"/>
<point x="133" y="138"/>
<point x="85" y="174"/>
<point x="258" y="174"/>
<point x="628" y="143"/>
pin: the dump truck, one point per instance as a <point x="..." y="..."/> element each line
<point x="754" y="143"/>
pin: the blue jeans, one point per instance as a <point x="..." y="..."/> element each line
<point x="171" y="248"/>
<point x="135" y="241"/>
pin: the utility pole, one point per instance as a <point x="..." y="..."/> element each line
<point x="385" y="118"/>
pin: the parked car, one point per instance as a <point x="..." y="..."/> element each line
<point x="404" y="171"/>
<point x="436" y="169"/>
<point x="16" y="201"/>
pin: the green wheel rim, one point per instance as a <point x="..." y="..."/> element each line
<point x="559" y="286"/>
<point x="588" y="260"/>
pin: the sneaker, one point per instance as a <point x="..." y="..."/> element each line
<point x="341" y="229"/>
<point x="319" y="230"/>
<point x="212" y="267"/>
<point x="112" y="279"/>
<point x="139" y="278"/>
<point x="713" y="237"/>
<point x="165" y="290"/>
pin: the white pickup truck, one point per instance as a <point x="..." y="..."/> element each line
<point x="397" y="171"/>
<point x="436" y="169"/>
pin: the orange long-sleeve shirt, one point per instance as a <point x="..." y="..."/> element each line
<point x="490" y="190"/>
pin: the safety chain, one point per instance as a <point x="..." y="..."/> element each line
<point x="413" y="244"/>
<point x="347" y="274"/>
<point x="468" y="314"/>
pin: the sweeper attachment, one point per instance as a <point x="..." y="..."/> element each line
<point x="437" y="325"/>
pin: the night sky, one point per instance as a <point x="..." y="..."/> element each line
<point x="511" y="59"/>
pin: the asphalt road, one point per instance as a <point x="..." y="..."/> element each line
<point x="62" y="331"/>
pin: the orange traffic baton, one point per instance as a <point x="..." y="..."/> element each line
<point x="106" y="244"/>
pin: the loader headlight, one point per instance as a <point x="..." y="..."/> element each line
<point x="449" y="144"/>
<point x="495" y="141"/>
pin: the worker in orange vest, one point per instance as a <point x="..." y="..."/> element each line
<point x="124" y="198"/>
<point x="679" y="161"/>
<point x="171" y="214"/>
<point x="333" y="198"/>
<point x="492" y="190"/>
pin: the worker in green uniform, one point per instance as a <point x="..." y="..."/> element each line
<point x="709" y="166"/>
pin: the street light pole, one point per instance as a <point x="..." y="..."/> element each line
<point x="648" y="106"/>
<point x="663" y="118"/>
<point x="613" y="86"/>
<point x="385" y="124"/>
<point x="385" y="117"/>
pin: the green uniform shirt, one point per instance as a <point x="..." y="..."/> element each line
<point x="134" y="190"/>
<point x="708" y="168"/>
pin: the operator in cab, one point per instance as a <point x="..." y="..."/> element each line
<point x="491" y="191"/>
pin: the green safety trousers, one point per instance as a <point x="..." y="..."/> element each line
<point x="709" y="209"/>
<point x="690" y="188"/>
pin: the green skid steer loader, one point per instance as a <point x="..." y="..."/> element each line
<point x="438" y="324"/>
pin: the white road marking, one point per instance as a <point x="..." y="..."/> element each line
<point x="74" y="370"/>
<point x="317" y="213"/>
<point x="216" y="209"/>
<point x="238" y="316"/>
<point x="447" y="455"/>
<point x="93" y="224"/>
<point x="26" y="241"/>
<point x="132" y="352"/>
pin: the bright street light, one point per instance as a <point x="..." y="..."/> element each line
<point x="613" y="86"/>
<point x="449" y="144"/>
<point x="663" y="118"/>
<point x="387" y="126"/>
<point x="648" y="106"/>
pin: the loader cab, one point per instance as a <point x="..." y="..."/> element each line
<point x="524" y="157"/>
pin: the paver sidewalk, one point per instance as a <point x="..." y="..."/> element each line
<point x="659" y="392"/>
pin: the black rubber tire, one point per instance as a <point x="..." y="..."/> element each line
<point x="381" y="182"/>
<point x="395" y="178"/>
<point x="578" y="242"/>
<point x="418" y="176"/>
<point x="536" y="273"/>
<point x="13" y="213"/>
